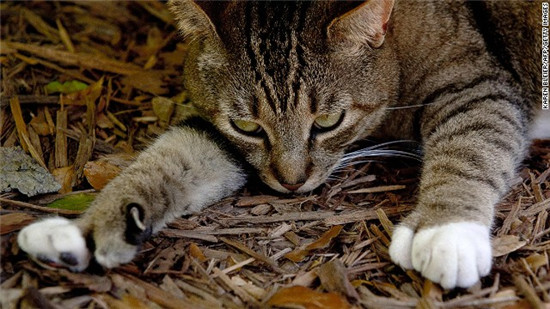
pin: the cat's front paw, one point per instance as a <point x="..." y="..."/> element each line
<point x="453" y="255"/>
<point x="54" y="243"/>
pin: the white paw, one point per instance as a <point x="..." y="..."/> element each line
<point x="400" y="248"/>
<point x="55" y="242"/>
<point x="453" y="255"/>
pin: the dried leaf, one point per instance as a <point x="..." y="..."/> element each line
<point x="40" y="25"/>
<point x="250" y="288"/>
<point x="125" y="302"/>
<point x="90" y="61"/>
<point x="299" y="254"/>
<point x="154" y="41"/>
<point x="64" y="176"/>
<point x="150" y="81"/>
<point x="14" y="221"/>
<point x="171" y="287"/>
<point x="242" y="293"/>
<point x="535" y="261"/>
<point x="104" y="122"/>
<point x="176" y="57"/>
<point x="91" y="282"/>
<point x="166" y="258"/>
<point x="9" y="298"/>
<point x="305" y="279"/>
<point x="505" y="244"/>
<point x="260" y="210"/>
<point x="334" y="278"/>
<point x="302" y="297"/>
<point x="40" y="124"/>
<point x="196" y="252"/>
<point x="100" y="172"/>
<point x="101" y="28"/>
<point x="248" y="201"/>
<point x="183" y="112"/>
<point x="163" y="108"/>
<point x="161" y="297"/>
<point x="85" y="95"/>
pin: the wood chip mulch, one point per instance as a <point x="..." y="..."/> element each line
<point x="326" y="249"/>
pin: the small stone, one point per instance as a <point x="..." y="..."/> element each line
<point x="20" y="171"/>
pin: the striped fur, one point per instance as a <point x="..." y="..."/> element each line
<point x="287" y="62"/>
<point x="461" y="78"/>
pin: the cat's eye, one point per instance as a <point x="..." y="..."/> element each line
<point x="247" y="127"/>
<point x="327" y="122"/>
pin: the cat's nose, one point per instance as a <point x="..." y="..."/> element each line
<point x="292" y="187"/>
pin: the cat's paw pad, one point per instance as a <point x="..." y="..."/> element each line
<point x="400" y="248"/>
<point x="55" y="242"/>
<point x="454" y="254"/>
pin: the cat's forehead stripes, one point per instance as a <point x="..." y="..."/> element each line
<point x="275" y="52"/>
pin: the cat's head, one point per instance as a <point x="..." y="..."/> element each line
<point x="291" y="84"/>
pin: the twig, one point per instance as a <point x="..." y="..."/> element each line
<point x="291" y="216"/>
<point x="378" y="189"/>
<point x="237" y="289"/>
<point x="30" y="99"/>
<point x="84" y="60"/>
<point x="236" y="266"/>
<point x="159" y="296"/>
<point x="254" y="254"/>
<point x="528" y="292"/>
<point x="65" y="212"/>
<point x="188" y="234"/>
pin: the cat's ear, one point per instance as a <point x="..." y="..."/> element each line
<point x="366" y="23"/>
<point x="192" y="19"/>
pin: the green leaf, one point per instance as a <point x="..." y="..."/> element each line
<point x="79" y="201"/>
<point x="66" y="87"/>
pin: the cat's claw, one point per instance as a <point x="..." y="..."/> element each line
<point x="55" y="243"/>
<point x="453" y="255"/>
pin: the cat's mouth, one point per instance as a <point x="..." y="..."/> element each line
<point x="293" y="188"/>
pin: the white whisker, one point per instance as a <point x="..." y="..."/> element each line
<point x="360" y="156"/>
<point x="410" y="106"/>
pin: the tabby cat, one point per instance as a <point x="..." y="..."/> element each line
<point x="285" y="87"/>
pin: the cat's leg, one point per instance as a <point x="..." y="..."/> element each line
<point x="184" y="171"/>
<point x="473" y="142"/>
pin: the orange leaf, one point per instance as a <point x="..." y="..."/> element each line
<point x="99" y="173"/>
<point x="64" y="176"/>
<point x="196" y="252"/>
<point x="14" y="221"/>
<point x="90" y="94"/>
<point x="299" y="296"/>
<point x="299" y="254"/>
